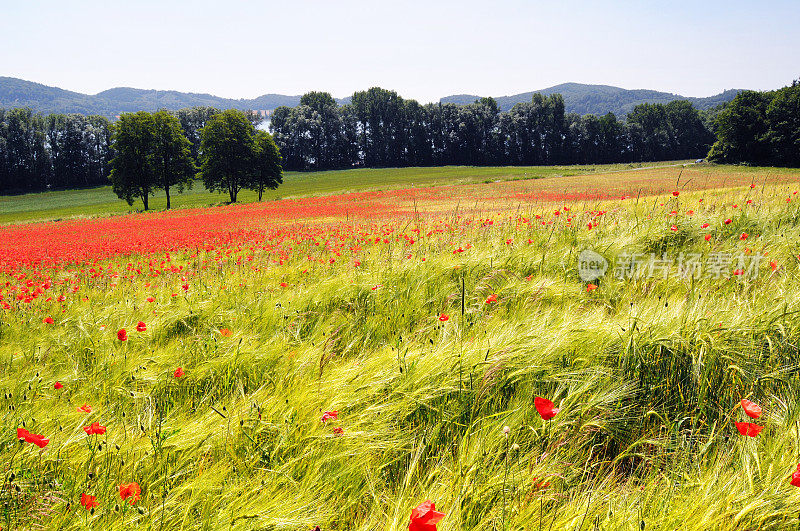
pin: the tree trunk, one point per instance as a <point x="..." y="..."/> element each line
<point x="145" y="201"/>
<point x="260" y="193"/>
<point x="166" y="189"/>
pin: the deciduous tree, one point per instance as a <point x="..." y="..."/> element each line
<point x="132" y="174"/>
<point x="228" y="152"/>
<point x="171" y="159"/>
<point x="268" y="172"/>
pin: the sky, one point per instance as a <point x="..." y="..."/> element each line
<point x="422" y="49"/>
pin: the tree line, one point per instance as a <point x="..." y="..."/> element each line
<point x="380" y="128"/>
<point x="56" y="151"/>
<point x="151" y="152"/>
<point x="140" y="153"/>
<point x="761" y="128"/>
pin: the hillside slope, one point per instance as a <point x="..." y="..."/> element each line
<point x="579" y="98"/>
<point x="600" y="99"/>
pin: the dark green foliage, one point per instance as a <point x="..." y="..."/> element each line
<point x="40" y="153"/>
<point x="761" y="128"/>
<point x="228" y="149"/>
<point x="172" y="162"/>
<point x="151" y="153"/>
<point x="579" y="98"/>
<point x="113" y="102"/>
<point x="268" y="172"/>
<point x="585" y="99"/>
<point x="380" y="129"/>
<point x="192" y="122"/>
<point x="132" y="173"/>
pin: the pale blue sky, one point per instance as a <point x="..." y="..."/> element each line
<point x="422" y="49"/>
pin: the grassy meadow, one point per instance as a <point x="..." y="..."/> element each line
<point x="101" y="201"/>
<point x="429" y="332"/>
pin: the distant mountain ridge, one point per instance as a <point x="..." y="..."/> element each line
<point x="578" y="98"/>
<point x="16" y="92"/>
<point x="600" y="99"/>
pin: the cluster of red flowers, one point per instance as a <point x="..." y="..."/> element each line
<point x="32" y="438"/>
<point x="750" y="429"/>
<point x="50" y="263"/>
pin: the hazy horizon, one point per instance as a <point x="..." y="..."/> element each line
<point x="422" y="50"/>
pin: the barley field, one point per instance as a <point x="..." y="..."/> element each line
<point x="614" y="350"/>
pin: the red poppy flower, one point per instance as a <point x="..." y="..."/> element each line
<point x="58" y="385"/>
<point x="491" y="298"/>
<point x="178" y="373"/>
<point x="130" y="491"/>
<point x="85" y="408"/>
<point x="591" y="287"/>
<point x="773" y="265"/>
<point x="708" y="237"/>
<point x="32" y="438"/>
<point x="284" y="285"/>
<point x="752" y="409"/>
<point x="728" y="221"/>
<point x="676" y="193"/>
<point x="94" y="429"/>
<point x="338" y="431"/>
<point x="141" y="327"/>
<point x="122" y="334"/>
<point x="673" y="228"/>
<point x="704" y="226"/>
<point x="743" y="236"/>
<point x="546" y="408"/>
<point x="424" y="517"/>
<point x="748" y="428"/>
<point x="150" y="299"/>
<point x="47" y="320"/>
<point x="330" y="415"/>
<point x="796" y="477"/>
<point x="89" y="502"/>
<point x="225" y="332"/>
<point x="444" y="317"/>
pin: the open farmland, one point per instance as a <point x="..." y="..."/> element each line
<point x="102" y="201"/>
<point x="334" y="361"/>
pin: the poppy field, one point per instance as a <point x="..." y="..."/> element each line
<point x="420" y="358"/>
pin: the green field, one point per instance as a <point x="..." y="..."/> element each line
<point x="338" y="372"/>
<point x="648" y="372"/>
<point x="102" y="201"/>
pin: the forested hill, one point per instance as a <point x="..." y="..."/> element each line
<point x="110" y="103"/>
<point x="600" y="99"/>
<point x="581" y="99"/>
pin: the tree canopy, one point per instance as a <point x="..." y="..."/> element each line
<point x="379" y="128"/>
<point x="171" y="158"/>
<point x="228" y="148"/>
<point x="268" y="172"/>
<point x="132" y="173"/>
<point x="150" y="153"/>
<point x="760" y="128"/>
